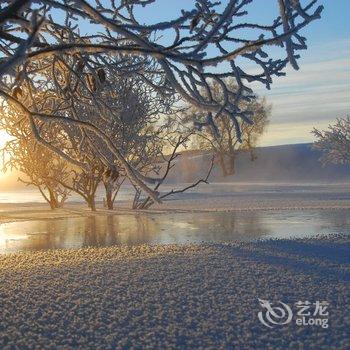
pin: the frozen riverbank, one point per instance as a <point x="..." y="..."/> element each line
<point x="192" y="296"/>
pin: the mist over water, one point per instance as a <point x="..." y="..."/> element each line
<point x="296" y="163"/>
<point x="258" y="191"/>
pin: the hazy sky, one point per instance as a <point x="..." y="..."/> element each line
<point x="320" y="91"/>
<point x="317" y="93"/>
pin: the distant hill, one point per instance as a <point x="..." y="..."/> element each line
<point x="287" y="163"/>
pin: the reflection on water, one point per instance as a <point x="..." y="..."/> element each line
<point x="169" y="228"/>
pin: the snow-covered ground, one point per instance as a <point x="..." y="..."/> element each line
<point x="202" y="296"/>
<point x="171" y="297"/>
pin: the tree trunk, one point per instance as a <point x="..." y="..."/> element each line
<point x="109" y="199"/>
<point x="252" y="155"/>
<point x="91" y="203"/>
<point x="222" y="164"/>
<point x="231" y="164"/>
<point x="111" y="193"/>
<point x="53" y="200"/>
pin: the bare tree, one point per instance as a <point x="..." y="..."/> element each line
<point x="28" y="159"/>
<point x="167" y="163"/>
<point x="223" y="141"/>
<point x="184" y="50"/>
<point x="137" y="120"/>
<point x="39" y="166"/>
<point x="84" y="183"/>
<point x="334" y="143"/>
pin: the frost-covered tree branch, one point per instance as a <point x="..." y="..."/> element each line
<point x="211" y="41"/>
<point x="334" y="143"/>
